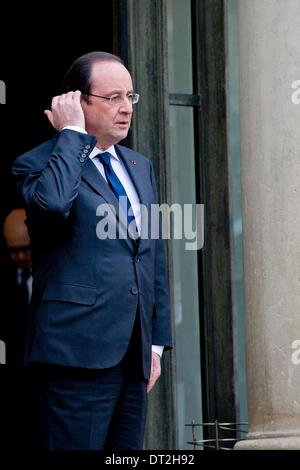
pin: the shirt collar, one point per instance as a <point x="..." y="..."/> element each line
<point x="110" y="150"/>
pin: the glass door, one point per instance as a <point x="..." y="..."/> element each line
<point x="183" y="191"/>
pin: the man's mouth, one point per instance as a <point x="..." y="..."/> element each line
<point x="122" y="123"/>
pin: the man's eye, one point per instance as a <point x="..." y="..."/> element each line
<point x="115" y="98"/>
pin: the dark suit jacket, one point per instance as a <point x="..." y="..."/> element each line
<point x="86" y="291"/>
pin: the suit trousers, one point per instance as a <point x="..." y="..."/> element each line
<point x="91" y="409"/>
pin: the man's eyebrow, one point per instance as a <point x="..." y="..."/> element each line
<point x="118" y="91"/>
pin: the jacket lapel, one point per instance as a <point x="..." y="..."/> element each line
<point x="136" y="173"/>
<point x="92" y="176"/>
<point x="134" y="170"/>
<point x="95" y="180"/>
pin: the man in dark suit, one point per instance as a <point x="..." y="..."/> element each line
<point x="16" y="285"/>
<point x="100" y="306"/>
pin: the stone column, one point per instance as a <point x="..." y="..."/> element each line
<point x="270" y="161"/>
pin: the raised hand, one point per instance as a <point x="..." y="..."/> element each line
<point x="66" y="110"/>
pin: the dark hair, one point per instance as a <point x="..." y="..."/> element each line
<point x="79" y="74"/>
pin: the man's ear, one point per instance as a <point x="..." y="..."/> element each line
<point x="84" y="99"/>
<point x="84" y="104"/>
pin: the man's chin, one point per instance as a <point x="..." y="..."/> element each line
<point x="122" y="135"/>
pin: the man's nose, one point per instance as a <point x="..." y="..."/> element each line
<point x="126" y="105"/>
<point x="21" y="256"/>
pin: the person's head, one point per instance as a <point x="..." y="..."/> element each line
<point x="103" y="74"/>
<point x="17" y="239"/>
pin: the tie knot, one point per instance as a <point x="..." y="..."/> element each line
<point x="104" y="158"/>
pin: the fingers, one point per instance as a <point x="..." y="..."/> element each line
<point x="76" y="96"/>
<point x="152" y="381"/>
<point x="54" y="101"/>
<point x="49" y="115"/>
<point x="155" y="371"/>
<point x="66" y="110"/>
<point x="66" y="99"/>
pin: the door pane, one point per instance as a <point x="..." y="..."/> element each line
<point x="179" y="46"/>
<point x="187" y="337"/>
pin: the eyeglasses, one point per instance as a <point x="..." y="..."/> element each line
<point x="115" y="100"/>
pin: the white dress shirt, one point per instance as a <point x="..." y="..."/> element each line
<point x="28" y="282"/>
<point x="123" y="176"/>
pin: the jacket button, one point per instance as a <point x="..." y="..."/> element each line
<point x="87" y="147"/>
<point x="81" y="159"/>
<point x="134" y="290"/>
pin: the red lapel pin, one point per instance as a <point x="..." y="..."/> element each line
<point x="133" y="162"/>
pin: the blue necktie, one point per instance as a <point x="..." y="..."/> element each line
<point x="116" y="185"/>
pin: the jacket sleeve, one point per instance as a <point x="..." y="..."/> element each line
<point x="50" y="182"/>
<point x="161" y="325"/>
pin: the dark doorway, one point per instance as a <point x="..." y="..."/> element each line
<point x="36" y="51"/>
<point x="37" y="47"/>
